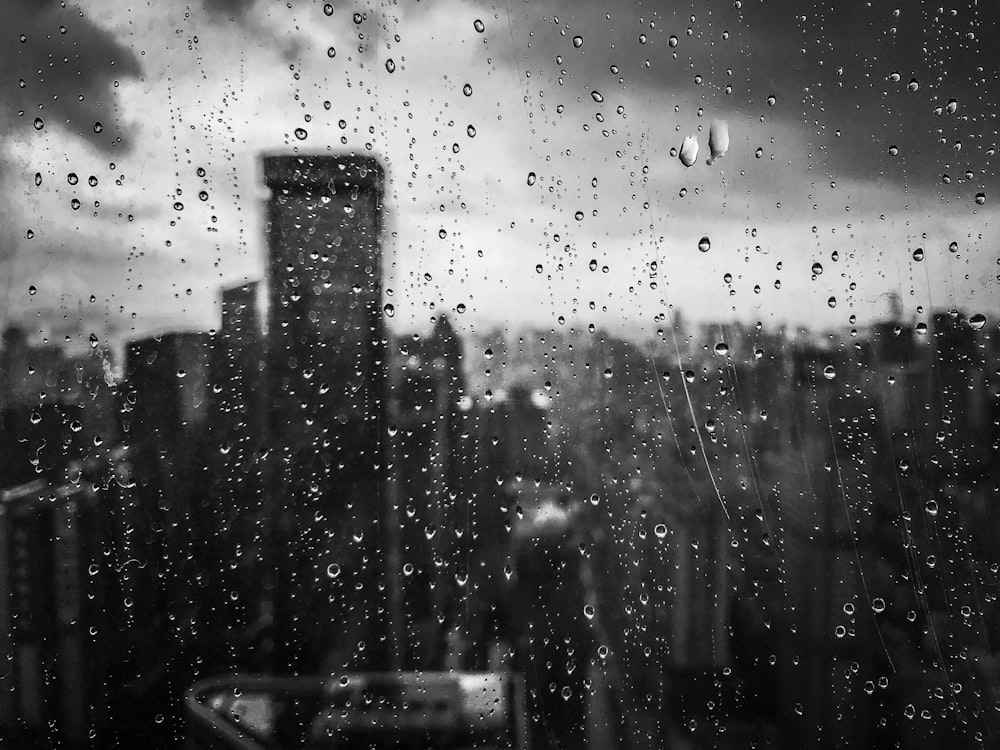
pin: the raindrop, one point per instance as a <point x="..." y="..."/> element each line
<point x="829" y="372"/>
<point x="531" y="178"/>
<point x="331" y="52"/>
<point x="931" y="507"/>
<point x="538" y="268"/>
<point x="479" y="26"/>
<point x="389" y="310"/>
<point x="918" y="254"/>
<point x="817" y="269"/>
<point x="301" y="134"/>
<point x="358" y="18"/>
<point x="893" y="150"/>
<point x="72" y="179"/>
<point x="39" y="123"/>
<point x="596" y="96"/>
<point x="38" y="179"/>
<point x="718" y="140"/>
<point x="771" y="100"/>
<point x="878" y="605"/>
<point x="578" y="41"/>
<point x="722" y="348"/>
<point x="953" y="247"/>
<point x="390" y="65"/>
<point x="913" y="85"/>
<point x="471" y="131"/>
<point x="94" y="341"/>
<point x="328" y="9"/>
<point x="832" y="302"/>
<point x="689" y="150"/>
<point x="952" y="106"/>
<point x="894" y="77"/>
<point x="32" y="290"/>
<point x="332" y="570"/>
<point x="98" y="128"/>
<point x="92" y="181"/>
<point x="178" y="206"/>
<point x="588" y="611"/>
<point x="980" y="199"/>
<point x="660" y="530"/>
<point x="977" y="321"/>
<point x="704" y="244"/>
<point x="593" y="264"/>
<point x="467" y="89"/>
<point x="74" y="204"/>
<point x="672" y="41"/>
<point x="578" y="216"/>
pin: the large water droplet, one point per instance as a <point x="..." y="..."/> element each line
<point x="817" y="269"/>
<point x="479" y="26"/>
<point x="952" y="106"/>
<point x="829" y="372"/>
<point x="980" y="199"/>
<point x="39" y="123"/>
<point x="596" y="96"/>
<point x="98" y="128"/>
<point x="688" y="153"/>
<point x="390" y="65"/>
<point x="918" y="254"/>
<point x="977" y="321"/>
<point x="672" y="41"/>
<point x="531" y="178"/>
<point x="704" y="244"/>
<point x="389" y="310"/>
<point x="894" y="77"/>
<point x="467" y="89"/>
<point x="301" y="134"/>
<point x="578" y="41"/>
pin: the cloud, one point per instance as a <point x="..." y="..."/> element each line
<point x="60" y="71"/>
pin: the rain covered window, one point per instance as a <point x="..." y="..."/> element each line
<point x="516" y="375"/>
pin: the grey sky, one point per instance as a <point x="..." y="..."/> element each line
<point x="209" y="88"/>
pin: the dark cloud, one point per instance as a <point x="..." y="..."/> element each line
<point x="830" y="67"/>
<point x="61" y="68"/>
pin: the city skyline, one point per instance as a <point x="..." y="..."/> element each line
<point x="212" y="88"/>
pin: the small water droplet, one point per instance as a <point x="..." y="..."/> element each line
<point x="301" y="134"/>
<point x="894" y="77"/>
<point x="467" y="89"/>
<point x="817" y="268"/>
<point x="596" y="96"/>
<point x="479" y="26"/>
<point x="722" y="348"/>
<point x="389" y="310"/>
<point x="771" y="100"/>
<point x="32" y="290"/>
<point x="331" y="52"/>
<point x="829" y="372"/>
<point x="390" y="65"/>
<point x="672" y="41"/>
<point x="977" y="321"/>
<point x="704" y="244"/>
<point x="878" y="605"/>
<point x="588" y="611"/>
<point x="660" y="530"/>
<point x="328" y="9"/>
<point x="953" y="247"/>
<point x="832" y="302"/>
<point x="980" y="199"/>
<point x="952" y="106"/>
<point x="918" y="254"/>
<point x="39" y="123"/>
<point x="531" y="178"/>
<point x="893" y="150"/>
<point x="578" y="41"/>
<point x="98" y="128"/>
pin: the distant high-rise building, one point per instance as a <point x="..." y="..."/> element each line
<point x="325" y="338"/>
<point x="325" y="365"/>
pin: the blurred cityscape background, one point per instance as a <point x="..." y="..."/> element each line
<point x="723" y="536"/>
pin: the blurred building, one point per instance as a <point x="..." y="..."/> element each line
<point x="325" y="369"/>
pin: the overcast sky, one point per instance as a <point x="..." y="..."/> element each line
<point x="871" y="108"/>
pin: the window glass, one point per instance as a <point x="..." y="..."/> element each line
<point x="464" y="374"/>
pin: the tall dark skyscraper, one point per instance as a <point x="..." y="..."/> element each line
<point x="326" y="372"/>
<point x="325" y="332"/>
